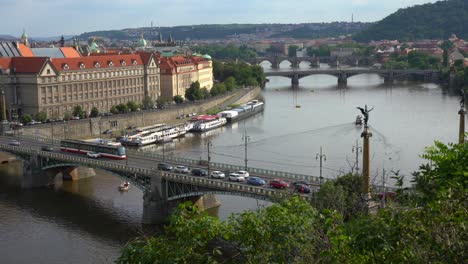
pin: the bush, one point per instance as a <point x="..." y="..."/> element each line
<point x="178" y="99"/>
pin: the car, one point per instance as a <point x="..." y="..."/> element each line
<point x="236" y="177"/>
<point x="278" y="184"/>
<point x="218" y="175"/>
<point x="181" y="169"/>
<point x="187" y="115"/>
<point x="107" y="132"/>
<point x="131" y="127"/>
<point x="93" y="155"/>
<point x="301" y="182"/>
<point x="199" y="172"/>
<point x="245" y="174"/>
<point x="180" y="116"/>
<point x="47" y="148"/>
<point x="14" y="142"/>
<point x="256" y="181"/>
<point x="75" y="118"/>
<point x="165" y="167"/>
<point x="302" y="188"/>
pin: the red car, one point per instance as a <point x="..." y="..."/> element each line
<point x="279" y="184"/>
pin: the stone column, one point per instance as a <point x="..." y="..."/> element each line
<point x="155" y="205"/>
<point x="461" y="132"/>
<point x="295" y="79"/>
<point x="366" y="134"/>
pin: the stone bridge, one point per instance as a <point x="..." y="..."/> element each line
<point x="162" y="190"/>
<point x="343" y="74"/>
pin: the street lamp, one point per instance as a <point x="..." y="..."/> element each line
<point x="208" y="145"/>
<point x="323" y="157"/>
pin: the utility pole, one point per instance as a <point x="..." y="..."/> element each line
<point x="246" y="139"/>
<point x="208" y="145"/>
<point x="322" y="157"/>
<point x="356" y="149"/>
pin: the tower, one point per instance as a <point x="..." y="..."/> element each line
<point x="24" y="38"/>
<point x="62" y="41"/>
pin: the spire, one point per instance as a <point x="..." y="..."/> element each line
<point x="160" y="35"/>
<point x="62" y="41"/>
<point x="24" y="38"/>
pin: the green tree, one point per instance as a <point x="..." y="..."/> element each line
<point x="251" y="82"/>
<point x="230" y="83"/>
<point x="132" y="106"/>
<point x="178" y="99"/>
<point x="148" y="102"/>
<point x="114" y="110"/>
<point x="41" y="116"/>
<point x="26" y="118"/>
<point x="122" y="108"/>
<point x="204" y="93"/>
<point x="193" y="93"/>
<point x="78" y="111"/>
<point x="94" y="112"/>
<point x="161" y="102"/>
<point x="67" y="115"/>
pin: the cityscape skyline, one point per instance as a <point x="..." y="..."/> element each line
<point x="71" y="17"/>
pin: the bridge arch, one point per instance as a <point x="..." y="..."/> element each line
<point x="220" y="192"/>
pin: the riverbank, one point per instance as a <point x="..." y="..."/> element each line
<point x="94" y="127"/>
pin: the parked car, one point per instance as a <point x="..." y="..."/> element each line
<point x="180" y="116"/>
<point x="75" y="118"/>
<point x="256" y="181"/>
<point x="244" y="174"/>
<point x="181" y="169"/>
<point x="302" y="188"/>
<point x="131" y="127"/>
<point x="279" y="184"/>
<point x="14" y="142"/>
<point x="107" y="132"/>
<point x="93" y="155"/>
<point x="302" y="182"/>
<point x="218" y="175"/>
<point x="47" y="148"/>
<point x="199" y="172"/>
<point x="165" y="167"/>
<point x="236" y="177"/>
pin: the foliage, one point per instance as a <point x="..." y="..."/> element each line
<point x="292" y="51"/>
<point x="147" y="102"/>
<point x="161" y="102"/>
<point x="322" y="30"/>
<point x="114" y="110"/>
<point x="414" y="60"/>
<point x="26" y="118"/>
<point x="226" y="52"/>
<point x="429" y="21"/>
<point x="132" y="106"/>
<point x="193" y="93"/>
<point x="218" y="88"/>
<point x="230" y="83"/>
<point x="178" y="99"/>
<point x="67" y="115"/>
<point x="94" y="112"/>
<point x="78" y="111"/>
<point x="204" y="94"/>
<point x="122" y="108"/>
<point x="233" y="74"/>
<point x="321" y="51"/>
<point x="41" y="116"/>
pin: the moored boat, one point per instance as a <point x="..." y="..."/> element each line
<point x="207" y="122"/>
<point x="124" y="187"/>
<point x="243" y="111"/>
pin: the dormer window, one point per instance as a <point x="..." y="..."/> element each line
<point x="134" y="62"/>
<point x="110" y="64"/>
<point x="65" y="66"/>
<point x="123" y="63"/>
<point x="97" y="65"/>
<point x="82" y="66"/>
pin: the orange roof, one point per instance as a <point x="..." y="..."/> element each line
<point x="91" y="62"/>
<point x="70" y="52"/>
<point x="25" y="50"/>
<point x="28" y="64"/>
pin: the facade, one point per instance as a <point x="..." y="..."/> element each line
<point x="178" y="73"/>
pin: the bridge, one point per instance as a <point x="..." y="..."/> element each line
<point x="313" y="62"/>
<point x="342" y="75"/>
<point x="162" y="190"/>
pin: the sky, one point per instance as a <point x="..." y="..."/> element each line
<point x="44" y="18"/>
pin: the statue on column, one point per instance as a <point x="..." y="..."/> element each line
<point x="365" y="113"/>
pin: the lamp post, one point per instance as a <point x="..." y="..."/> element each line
<point x="246" y="139"/>
<point x="322" y="158"/>
<point x="208" y="145"/>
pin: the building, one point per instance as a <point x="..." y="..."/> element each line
<point x="178" y="73"/>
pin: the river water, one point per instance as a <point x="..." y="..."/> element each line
<point x="88" y="221"/>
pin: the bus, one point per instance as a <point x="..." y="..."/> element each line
<point x="82" y="147"/>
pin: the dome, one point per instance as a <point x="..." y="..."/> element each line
<point x="142" y="42"/>
<point x="206" y="56"/>
<point x="196" y="54"/>
<point x="93" y="47"/>
<point x="24" y="35"/>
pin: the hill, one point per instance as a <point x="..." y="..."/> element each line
<point x="246" y="31"/>
<point x="429" y="21"/>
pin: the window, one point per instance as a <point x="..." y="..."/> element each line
<point x="97" y="65"/>
<point x="48" y="71"/>
<point x="123" y="63"/>
<point x="110" y="64"/>
<point x="82" y="66"/>
<point x="65" y="66"/>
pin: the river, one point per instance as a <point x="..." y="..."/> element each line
<point x="88" y="221"/>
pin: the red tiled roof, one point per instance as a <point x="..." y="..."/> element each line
<point x="25" y="50"/>
<point x="70" y="52"/>
<point x="28" y="64"/>
<point x="145" y="57"/>
<point x="5" y="63"/>
<point x="89" y="62"/>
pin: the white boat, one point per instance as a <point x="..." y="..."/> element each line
<point x="207" y="122"/>
<point x="169" y="134"/>
<point x="124" y="187"/>
<point x="243" y="111"/>
<point x="144" y="139"/>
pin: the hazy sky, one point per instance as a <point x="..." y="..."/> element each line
<point x="67" y="17"/>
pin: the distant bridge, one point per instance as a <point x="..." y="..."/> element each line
<point x="343" y="74"/>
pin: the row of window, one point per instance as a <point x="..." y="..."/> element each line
<point x="103" y="106"/>
<point x="90" y="76"/>
<point x="80" y="94"/>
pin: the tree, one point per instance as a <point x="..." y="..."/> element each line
<point x="132" y="106"/>
<point x="251" y="82"/>
<point x="67" y="116"/>
<point x="78" y="111"/>
<point x="122" y="108"/>
<point x="193" y="93"/>
<point x="292" y="50"/>
<point x="204" y="94"/>
<point x="161" y="102"/>
<point x="230" y="83"/>
<point x="218" y="88"/>
<point x="26" y="118"/>
<point x="41" y="116"/>
<point x="148" y="102"/>
<point x="94" y="112"/>
<point x="114" y="110"/>
<point x="178" y="99"/>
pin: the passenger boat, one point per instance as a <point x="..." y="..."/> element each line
<point x="358" y="121"/>
<point x="124" y="187"/>
<point x="207" y="122"/>
<point x="167" y="135"/>
<point x="251" y="108"/>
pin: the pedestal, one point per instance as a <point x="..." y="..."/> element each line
<point x="366" y="134"/>
<point x="461" y="131"/>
